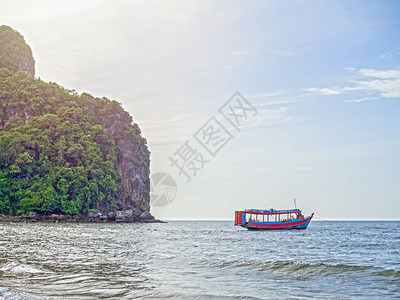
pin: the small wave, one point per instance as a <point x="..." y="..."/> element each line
<point x="295" y="267"/>
<point x="388" y="273"/>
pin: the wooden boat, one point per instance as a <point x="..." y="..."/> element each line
<point x="272" y="219"/>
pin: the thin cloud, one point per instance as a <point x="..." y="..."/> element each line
<point x="392" y="54"/>
<point x="384" y="83"/>
<point x="324" y="91"/>
<point x="361" y="99"/>
<point x="264" y="117"/>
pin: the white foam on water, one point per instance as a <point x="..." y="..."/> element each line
<point x="2" y="291"/>
<point x="6" y="294"/>
<point x="16" y="268"/>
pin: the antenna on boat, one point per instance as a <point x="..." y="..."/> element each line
<point x="295" y="205"/>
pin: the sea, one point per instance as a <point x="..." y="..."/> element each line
<point x="199" y="260"/>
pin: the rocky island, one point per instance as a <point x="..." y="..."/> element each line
<point x="64" y="156"/>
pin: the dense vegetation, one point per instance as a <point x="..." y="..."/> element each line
<point x="59" y="150"/>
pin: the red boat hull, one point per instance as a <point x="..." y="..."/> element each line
<point x="295" y="224"/>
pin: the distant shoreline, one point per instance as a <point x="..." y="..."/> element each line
<point x="67" y="218"/>
<point x="228" y="220"/>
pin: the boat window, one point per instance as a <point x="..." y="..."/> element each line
<point x="247" y="218"/>
<point x="251" y="217"/>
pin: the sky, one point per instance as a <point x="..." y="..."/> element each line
<point x="322" y="79"/>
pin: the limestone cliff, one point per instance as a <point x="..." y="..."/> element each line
<point x="133" y="160"/>
<point x="15" y="54"/>
<point x="61" y="152"/>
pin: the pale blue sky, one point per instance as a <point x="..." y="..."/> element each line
<point x="323" y="75"/>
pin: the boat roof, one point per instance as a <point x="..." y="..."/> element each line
<point x="273" y="211"/>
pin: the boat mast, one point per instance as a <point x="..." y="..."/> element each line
<point x="295" y="205"/>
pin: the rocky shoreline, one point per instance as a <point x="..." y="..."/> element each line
<point x="94" y="216"/>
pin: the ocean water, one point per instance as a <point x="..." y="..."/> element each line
<point x="199" y="260"/>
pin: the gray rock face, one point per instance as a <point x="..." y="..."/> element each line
<point x="146" y="216"/>
<point x="133" y="215"/>
<point x="133" y="162"/>
<point x="111" y="216"/>
<point x="124" y="216"/>
<point x="94" y="214"/>
<point x="136" y="215"/>
<point x="15" y="53"/>
<point x="57" y="217"/>
<point x="32" y="215"/>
